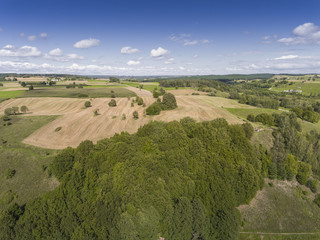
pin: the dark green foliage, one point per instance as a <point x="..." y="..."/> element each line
<point x="139" y="100"/>
<point x="265" y="118"/>
<point x="58" y="129"/>
<point x="154" y="109"/>
<point x="63" y="162"/>
<point x="177" y="180"/>
<point x="304" y="172"/>
<point x="87" y="104"/>
<point x="135" y="115"/>
<point x="114" y="79"/>
<point x="313" y="184"/>
<point x="9" y="111"/>
<point x="112" y="103"/>
<point x="9" y="173"/>
<point x="251" y="118"/>
<point x="306" y="113"/>
<point x="248" y="130"/>
<point x="30" y="87"/>
<point x="169" y="101"/>
<point x="317" y="200"/>
<point x="291" y="167"/>
<point x="260" y="101"/>
<point x="24" y="109"/>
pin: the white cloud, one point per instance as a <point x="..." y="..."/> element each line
<point x="87" y="43"/>
<point x="129" y="50"/>
<point x="25" y="51"/>
<point x="307" y="33"/>
<point x="189" y="42"/>
<point x="55" y="52"/>
<point x="32" y="38"/>
<point x="169" y="61"/>
<point x="159" y="52"/>
<point x="43" y="35"/>
<point x="287" y="57"/>
<point x="133" y="63"/>
<point x="74" y="56"/>
<point x="205" y="41"/>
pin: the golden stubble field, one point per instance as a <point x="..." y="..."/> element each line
<point x="78" y="123"/>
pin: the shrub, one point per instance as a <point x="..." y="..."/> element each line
<point x="248" y="130"/>
<point x="156" y="94"/>
<point x="6" y="118"/>
<point x="317" y="200"/>
<point x="58" y="129"/>
<point x="169" y="101"/>
<point x="112" y="103"/>
<point x="250" y="117"/>
<point x="123" y="117"/>
<point x="87" y="104"/>
<point x="82" y="95"/>
<point x="96" y="112"/>
<point x="139" y="100"/>
<point x="24" y="109"/>
<point x="265" y="119"/>
<point x="30" y="87"/>
<point x="113" y="96"/>
<point x="154" y="109"/>
<point x="304" y="172"/>
<point x="135" y="115"/>
<point x="9" y="173"/>
<point x="313" y="185"/>
<point x="8" y="111"/>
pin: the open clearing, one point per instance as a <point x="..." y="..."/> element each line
<point x="77" y="123"/>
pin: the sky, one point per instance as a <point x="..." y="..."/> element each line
<point x="167" y="37"/>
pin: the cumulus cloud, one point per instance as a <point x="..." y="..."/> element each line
<point x="189" y="42"/>
<point x="287" y="57"/>
<point x="55" y="52"/>
<point x="32" y="38"/>
<point x="307" y="33"/>
<point x="129" y="50"/>
<point x="87" y="43"/>
<point x="159" y="52"/>
<point x="133" y="63"/>
<point x="24" y="51"/>
<point x="74" y="56"/>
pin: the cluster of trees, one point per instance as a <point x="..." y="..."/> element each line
<point x="177" y="180"/>
<point x="307" y="114"/>
<point x="264" y="118"/>
<point x="157" y="93"/>
<point x="112" y="103"/>
<point x="259" y="101"/>
<point x="168" y="102"/>
<point x="114" y="79"/>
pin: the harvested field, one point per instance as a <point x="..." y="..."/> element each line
<point x="181" y="92"/>
<point x="77" y="123"/>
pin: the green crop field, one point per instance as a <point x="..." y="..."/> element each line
<point x="11" y="94"/>
<point x="31" y="179"/>
<point x="78" y="92"/>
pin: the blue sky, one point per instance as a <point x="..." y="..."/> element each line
<point x="148" y="37"/>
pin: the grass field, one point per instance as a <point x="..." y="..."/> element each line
<point x="307" y="87"/>
<point x="244" y="112"/>
<point x="282" y="208"/>
<point x="11" y="94"/>
<point x="76" y="92"/>
<point x="30" y="179"/>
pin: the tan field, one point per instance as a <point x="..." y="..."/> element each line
<point x="78" y="123"/>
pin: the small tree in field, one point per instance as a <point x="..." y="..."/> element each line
<point x="30" y="87"/>
<point x="8" y="111"/>
<point x="24" y="109"/>
<point x="15" y="110"/>
<point x="112" y="103"/>
<point x="87" y="104"/>
<point x="135" y="115"/>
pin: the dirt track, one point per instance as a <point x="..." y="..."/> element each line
<point x="78" y="123"/>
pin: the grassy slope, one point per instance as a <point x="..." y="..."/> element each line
<point x="307" y="87"/>
<point x="30" y="180"/>
<point x="74" y="92"/>
<point x="282" y="208"/>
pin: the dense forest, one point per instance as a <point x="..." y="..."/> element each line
<point x="177" y="180"/>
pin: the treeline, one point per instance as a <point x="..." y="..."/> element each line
<point x="168" y="102"/>
<point x="176" y="180"/>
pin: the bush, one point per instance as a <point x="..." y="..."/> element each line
<point x="154" y="109"/>
<point x="169" y="101"/>
<point x="250" y="117"/>
<point x="123" y="117"/>
<point x="317" y="200"/>
<point x="9" y="111"/>
<point x="9" y="173"/>
<point x="6" y="118"/>
<point x="139" y="100"/>
<point x="30" y="87"/>
<point x="248" y="130"/>
<point x="265" y="119"/>
<point x="96" y="112"/>
<point x="304" y="172"/>
<point x="58" y="129"/>
<point x="24" y="109"/>
<point x="113" y="96"/>
<point x="82" y="95"/>
<point x="112" y="103"/>
<point x="313" y="185"/>
<point x="87" y="104"/>
<point x="135" y="115"/>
